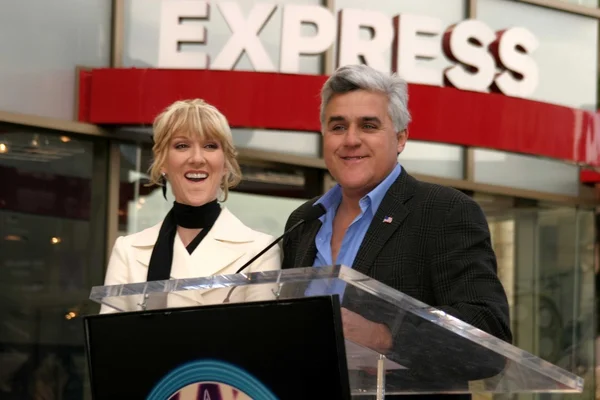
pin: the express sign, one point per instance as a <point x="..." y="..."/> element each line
<point x="482" y="59"/>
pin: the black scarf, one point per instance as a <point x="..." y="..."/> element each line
<point x="201" y="217"/>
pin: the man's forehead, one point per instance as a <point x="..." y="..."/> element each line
<point x="346" y="117"/>
<point x="357" y="103"/>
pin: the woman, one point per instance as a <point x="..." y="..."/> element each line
<point x="193" y="151"/>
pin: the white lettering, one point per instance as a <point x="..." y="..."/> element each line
<point x="521" y="75"/>
<point x="296" y="45"/>
<point x="467" y="44"/>
<point x="415" y="42"/>
<point x="245" y="36"/>
<point x="482" y="60"/>
<point x="173" y="33"/>
<point x="354" y="50"/>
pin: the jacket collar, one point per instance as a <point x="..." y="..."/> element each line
<point x="227" y="228"/>
<point x="393" y="205"/>
<point x="390" y="215"/>
<point x="216" y="251"/>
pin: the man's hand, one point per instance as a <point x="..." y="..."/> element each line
<point x="366" y="333"/>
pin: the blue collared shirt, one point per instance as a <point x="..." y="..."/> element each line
<point x="356" y="230"/>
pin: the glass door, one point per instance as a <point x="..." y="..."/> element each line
<point x="546" y="263"/>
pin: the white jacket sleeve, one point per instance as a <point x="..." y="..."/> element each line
<point x="117" y="271"/>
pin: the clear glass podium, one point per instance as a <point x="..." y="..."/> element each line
<point x="431" y="352"/>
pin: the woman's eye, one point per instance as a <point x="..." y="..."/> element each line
<point x="181" y="146"/>
<point x="212" y="146"/>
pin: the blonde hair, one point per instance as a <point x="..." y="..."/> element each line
<point x="194" y="118"/>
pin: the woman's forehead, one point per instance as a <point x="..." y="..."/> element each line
<point x="193" y="134"/>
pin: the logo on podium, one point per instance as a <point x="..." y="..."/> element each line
<point x="209" y="391"/>
<point x="210" y="380"/>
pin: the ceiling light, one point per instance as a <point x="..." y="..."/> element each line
<point x="70" y="315"/>
<point x="13" y="238"/>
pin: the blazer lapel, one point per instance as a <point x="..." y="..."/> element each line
<point x="216" y="251"/>
<point x="389" y="216"/>
<point x="220" y="248"/>
<point x="213" y="256"/>
<point x="144" y="244"/>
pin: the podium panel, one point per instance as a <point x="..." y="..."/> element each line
<point x="432" y="351"/>
<point x="257" y="350"/>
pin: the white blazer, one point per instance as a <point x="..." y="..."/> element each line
<point x="226" y="247"/>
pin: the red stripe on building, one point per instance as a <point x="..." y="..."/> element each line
<point x="291" y="102"/>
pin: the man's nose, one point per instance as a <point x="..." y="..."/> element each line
<point x="352" y="136"/>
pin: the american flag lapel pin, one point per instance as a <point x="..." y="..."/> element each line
<point x="387" y="220"/>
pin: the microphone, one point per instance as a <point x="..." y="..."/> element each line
<point x="314" y="213"/>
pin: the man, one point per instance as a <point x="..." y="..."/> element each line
<point x="427" y="241"/>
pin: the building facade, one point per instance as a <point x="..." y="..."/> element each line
<point x="503" y="96"/>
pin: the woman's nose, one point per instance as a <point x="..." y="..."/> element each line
<point x="197" y="155"/>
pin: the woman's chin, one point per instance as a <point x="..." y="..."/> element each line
<point x="195" y="202"/>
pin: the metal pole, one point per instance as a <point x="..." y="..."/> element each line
<point x="381" y="377"/>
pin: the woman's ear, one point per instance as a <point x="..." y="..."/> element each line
<point x="224" y="178"/>
<point x="226" y="172"/>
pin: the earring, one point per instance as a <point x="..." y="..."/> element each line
<point x="164" y="184"/>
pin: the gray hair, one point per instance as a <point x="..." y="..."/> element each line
<point x="355" y="77"/>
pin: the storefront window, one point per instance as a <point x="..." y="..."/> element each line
<point x="297" y="143"/>
<point x="435" y="159"/>
<point x="42" y="43"/>
<point x="546" y="263"/>
<point x="526" y="172"/>
<point x="52" y="238"/>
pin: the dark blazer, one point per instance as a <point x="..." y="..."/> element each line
<point x="437" y="249"/>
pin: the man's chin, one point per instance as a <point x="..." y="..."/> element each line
<point x="354" y="187"/>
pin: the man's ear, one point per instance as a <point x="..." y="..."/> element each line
<point x="402" y="138"/>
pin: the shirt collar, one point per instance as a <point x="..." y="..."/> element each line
<point x="376" y="195"/>
<point x="333" y="197"/>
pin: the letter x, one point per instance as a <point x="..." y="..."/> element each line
<point x="245" y="37"/>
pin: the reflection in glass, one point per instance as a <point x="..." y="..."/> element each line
<point x="45" y="263"/>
